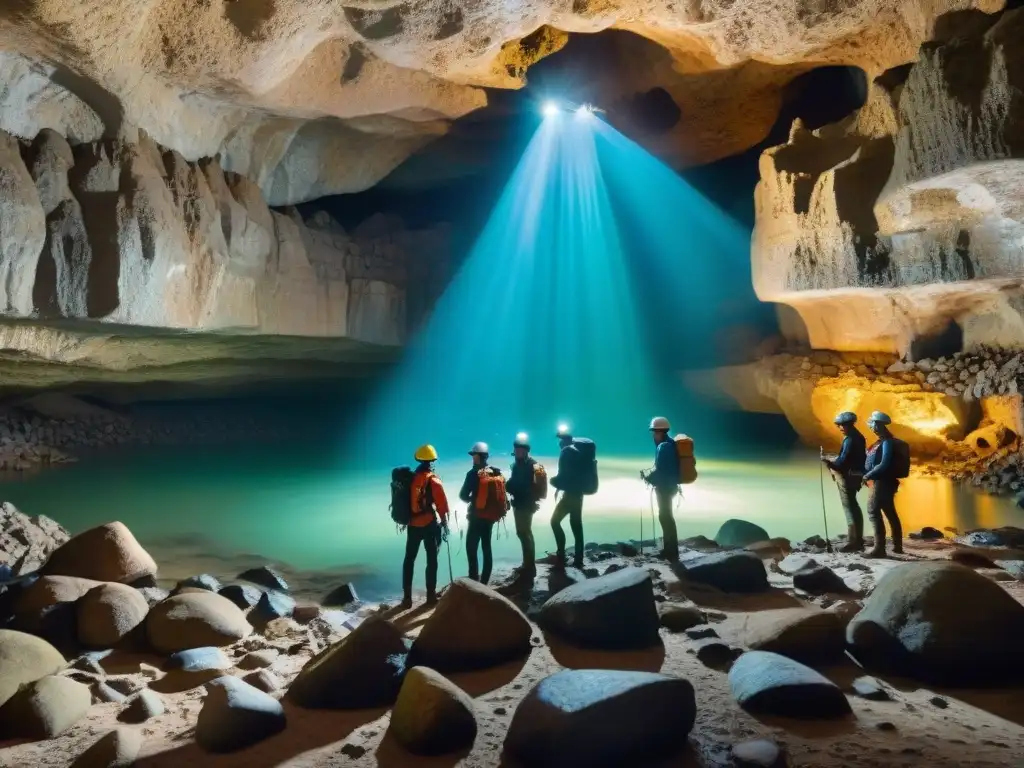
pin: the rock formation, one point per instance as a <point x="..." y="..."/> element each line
<point x="899" y="229"/>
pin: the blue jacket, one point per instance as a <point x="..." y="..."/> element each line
<point x="666" y="466"/>
<point x="878" y="464"/>
<point x="852" y="456"/>
<point x="520" y="484"/>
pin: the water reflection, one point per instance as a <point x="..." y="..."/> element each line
<point x="298" y="509"/>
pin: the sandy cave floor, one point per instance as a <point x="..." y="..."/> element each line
<point x="978" y="727"/>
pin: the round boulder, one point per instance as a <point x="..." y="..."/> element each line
<point x="940" y="622"/>
<point x="776" y="685"/>
<point x="600" y="717"/>
<point x="235" y="715"/>
<point x="736" y="571"/>
<point x="805" y="634"/>
<point x="46" y="708"/>
<point x="118" y="748"/>
<point x="49" y="591"/>
<point x="194" y="620"/>
<point x="108" y="613"/>
<point x="472" y="627"/>
<point x="362" y="670"/>
<point x="740" y="533"/>
<point x="432" y="716"/>
<point x="24" y="659"/>
<point x="105" y="553"/>
<point x="615" y="611"/>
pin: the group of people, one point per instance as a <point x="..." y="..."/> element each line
<point x="489" y="496"/>
<point x="880" y="467"/>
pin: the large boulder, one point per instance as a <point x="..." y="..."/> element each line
<point x="26" y="542"/>
<point x="143" y="706"/>
<point x="612" y="611"/>
<point x="105" y="553"/>
<point x="740" y="533"/>
<point x="45" y="708"/>
<point x="266" y="577"/>
<point x="193" y="620"/>
<point x="24" y="659"/>
<point x="236" y="715"/>
<point x="736" y="571"/>
<point x="940" y="622"/>
<point x="806" y="634"/>
<point x="820" y="580"/>
<point x="118" y="748"/>
<point x="432" y="716"/>
<point x="107" y="613"/>
<point x="242" y="595"/>
<point x="776" y="685"/>
<point x="598" y="718"/>
<point x="360" y="671"/>
<point x="472" y="627"/>
<point x="52" y="590"/>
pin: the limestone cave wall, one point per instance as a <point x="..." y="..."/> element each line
<point x="904" y="223"/>
<point x="127" y="232"/>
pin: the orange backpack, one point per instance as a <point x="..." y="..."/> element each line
<point x="540" y="483"/>
<point x="687" y="462"/>
<point x="491" y="500"/>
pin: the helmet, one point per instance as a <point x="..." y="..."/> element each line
<point x="480" y="448"/>
<point x="846" y="417"/>
<point x="522" y="441"/>
<point x="563" y="431"/>
<point x="660" y="423"/>
<point x="879" y="418"/>
<point x="425" y="453"/>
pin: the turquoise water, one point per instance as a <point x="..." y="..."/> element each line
<point x="201" y="509"/>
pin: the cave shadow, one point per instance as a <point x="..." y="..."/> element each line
<point x="179" y="681"/>
<point x="1006" y="703"/>
<point x="390" y="754"/>
<point x="808" y="729"/>
<point x="635" y="660"/>
<point x="705" y="596"/>
<point x="686" y="757"/>
<point x="413" y="618"/>
<point x="307" y="730"/>
<point x="481" y="681"/>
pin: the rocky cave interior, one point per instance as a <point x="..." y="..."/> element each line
<point x="224" y="222"/>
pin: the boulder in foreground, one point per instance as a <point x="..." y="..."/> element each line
<point x="235" y="715"/>
<point x="194" y="620"/>
<point x="940" y="622"/>
<point x="432" y="716"/>
<point x="105" y="553"/>
<point x="24" y="659"/>
<point x="598" y="718"/>
<point x="118" y="748"/>
<point x="776" y="685"/>
<point x="360" y="671"/>
<point x="472" y="627"/>
<point x="613" y="611"/>
<point x="107" y="613"/>
<point x="46" y="708"/>
<point x="736" y="571"/>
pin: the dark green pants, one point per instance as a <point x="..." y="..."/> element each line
<point x="666" y="516"/>
<point x="569" y="505"/>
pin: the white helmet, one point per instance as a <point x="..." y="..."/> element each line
<point x="879" y="418"/>
<point x="660" y="423"/>
<point x="846" y="417"/>
<point x="522" y="441"/>
<point x="563" y="431"/>
<point x="480" y="448"/>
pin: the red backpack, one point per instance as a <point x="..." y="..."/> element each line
<point x="491" y="500"/>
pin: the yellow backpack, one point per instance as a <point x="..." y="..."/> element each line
<point x="687" y="461"/>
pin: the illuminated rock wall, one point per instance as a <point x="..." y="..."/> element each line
<point x="885" y="229"/>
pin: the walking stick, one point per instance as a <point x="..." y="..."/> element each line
<point x="824" y="516"/>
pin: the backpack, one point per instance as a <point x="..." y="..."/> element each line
<point x="687" y="461"/>
<point x="401" y="495"/>
<point x="491" y="500"/>
<point x="539" y="488"/>
<point x="900" y="459"/>
<point x="587" y="454"/>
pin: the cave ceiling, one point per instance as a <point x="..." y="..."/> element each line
<point x="317" y="97"/>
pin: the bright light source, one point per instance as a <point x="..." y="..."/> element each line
<point x="584" y="110"/>
<point x="522" y="436"/>
<point x="563" y="429"/>
<point x="549" y="109"/>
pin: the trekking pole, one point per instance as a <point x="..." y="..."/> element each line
<point x="641" y="520"/>
<point x="451" y="578"/>
<point x="824" y="516"/>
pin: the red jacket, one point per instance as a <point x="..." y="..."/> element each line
<point x="427" y="497"/>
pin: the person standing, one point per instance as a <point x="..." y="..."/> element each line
<point x="428" y="524"/>
<point x="522" y="487"/>
<point x="882" y="476"/>
<point x="664" y="479"/>
<point x="847" y="470"/>
<point x="571" y="482"/>
<point x="485" y="509"/>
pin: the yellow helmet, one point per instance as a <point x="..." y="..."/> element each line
<point x="425" y="453"/>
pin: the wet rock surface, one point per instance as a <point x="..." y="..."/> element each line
<point x="773" y="684"/>
<point x="432" y="715"/>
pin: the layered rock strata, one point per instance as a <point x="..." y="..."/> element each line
<point x="901" y="229"/>
<point x="129" y="233"/>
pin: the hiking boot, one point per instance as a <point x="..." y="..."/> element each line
<point x="854" y="540"/>
<point x="876" y="553"/>
<point x="668" y="555"/>
<point x="431" y="600"/>
<point x="897" y="549"/>
<point x="556" y="560"/>
<point x="577" y="562"/>
<point x="406" y="604"/>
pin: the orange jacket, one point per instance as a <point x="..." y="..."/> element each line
<point x="427" y="497"/>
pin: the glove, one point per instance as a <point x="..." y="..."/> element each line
<point x="444" y="531"/>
